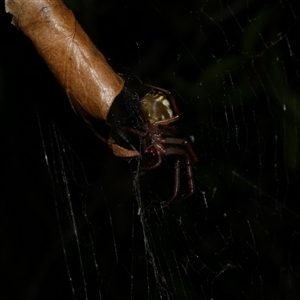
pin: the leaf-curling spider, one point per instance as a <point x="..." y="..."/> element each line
<point x="159" y="110"/>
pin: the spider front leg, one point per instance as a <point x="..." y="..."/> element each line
<point x="153" y="154"/>
<point x="191" y="182"/>
<point x="176" y="181"/>
<point x="189" y="162"/>
<point x="185" y="143"/>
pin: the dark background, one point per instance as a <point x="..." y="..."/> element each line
<point x="233" y="69"/>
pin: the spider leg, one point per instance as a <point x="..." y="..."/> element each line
<point x="189" y="161"/>
<point x="159" y="160"/>
<point x="185" y="143"/>
<point x="191" y="182"/>
<point x="176" y="182"/>
<point x="190" y="178"/>
<point x="135" y="131"/>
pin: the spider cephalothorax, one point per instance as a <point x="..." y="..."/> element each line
<point x="159" y="110"/>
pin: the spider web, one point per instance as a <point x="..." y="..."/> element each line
<point x="79" y="223"/>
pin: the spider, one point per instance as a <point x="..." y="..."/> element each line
<point x="159" y="110"/>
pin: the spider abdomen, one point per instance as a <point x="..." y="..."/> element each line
<point x="156" y="107"/>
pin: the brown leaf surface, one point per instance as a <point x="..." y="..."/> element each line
<point x="89" y="81"/>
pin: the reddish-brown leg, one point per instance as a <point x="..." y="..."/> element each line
<point x="183" y="142"/>
<point x="157" y="164"/>
<point x="176" y="151"/>
<point x="176" y="182"/>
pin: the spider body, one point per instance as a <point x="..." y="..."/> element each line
<point x="159" y="111"/>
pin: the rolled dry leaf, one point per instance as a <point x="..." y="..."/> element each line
<point x="90" y="83"/>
